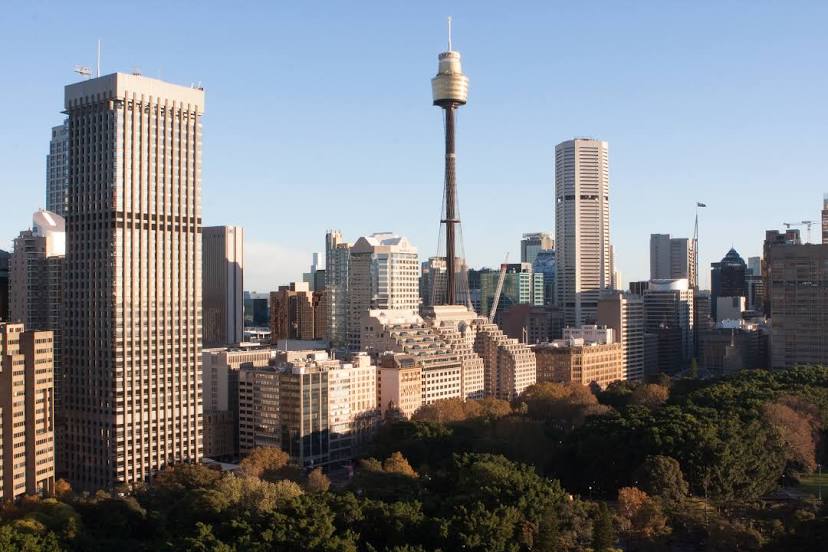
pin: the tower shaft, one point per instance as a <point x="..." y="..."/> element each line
<point x="451" y="204"/>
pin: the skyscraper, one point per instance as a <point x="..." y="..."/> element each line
<point x="534" y="243"/>
<point x="672" y="258"/>
<point x="582" y="229"/>
<point x="727" y="279"/>
<point x="4" y="285"/>
<point x="384" y="273"/>
<point x="668" y="314"/>
<point x="825" y="220"/>
<point x="133" y="279"/>
<point x="57" y="169"/>
<point x="222" y="273"/>
<point x="337" y="259"/>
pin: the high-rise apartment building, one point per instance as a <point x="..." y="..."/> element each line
<point x="222" y="273"/>
<point x="796" y="281"/>
<point x="533" y="243"/>
<point x="672" y="258"/>
<point x="337" y="260"/>
<point x="624" y="314"/>
<point x="668" y="314"/>
<point x="582" y="230"/>
<point x="57" y="170"/>
<point x="132" y="298"/>
<point x="384" y="273"/>
<point x="27" y="449"/>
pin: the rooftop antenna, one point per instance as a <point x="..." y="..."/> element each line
<point x="449" y="33"/>
<point x="99" y="58"/>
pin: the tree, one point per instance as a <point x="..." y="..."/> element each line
<point x="603" y="533"/>
<point x="662" y="476"/>
<point x="650" y="395"/>
<point x="797" y="430"/>
<point x="62" y="488"/>
<point x="396" y="463"/>
<point x="317" y="481"/>
<point x="264" y="461"/>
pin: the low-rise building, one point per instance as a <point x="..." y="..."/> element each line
<point x="399" y="384"/>
<point x="578" y="361"/>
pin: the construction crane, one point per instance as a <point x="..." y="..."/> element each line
<point x="499" y="288"/>
<point x="806" y="223"/>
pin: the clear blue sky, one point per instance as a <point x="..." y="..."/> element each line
<point x="319" y="115"/>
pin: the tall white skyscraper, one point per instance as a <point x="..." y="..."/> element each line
<point x="582" y="231"/>
<point x="133" y="279"/>
<point x="384" y="273"/>
<point x="222" y="275"/>
<point x="57" y="169"/>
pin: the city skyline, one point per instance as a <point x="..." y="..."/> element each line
<point x="729" y="102"/>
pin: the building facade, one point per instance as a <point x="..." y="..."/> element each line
<point x="132" y="292"/>
<point x="337" y="260"/>
<point x="727" y="279"/>
<point x="534" y="243"/>
<point x="222" y="272"/>
<point x="579" y="361"/>
<point x="668" y="314"/>
<point x="624" y="313"/>
<point x="582" y="228"/>
<point x="383" y="273"/>
<point x="57" y="170"/>
<point x="26" y="412"/>
<point x="4" y="285"/>
<point x="797" y="286"/>
<point x="672" y="259"/>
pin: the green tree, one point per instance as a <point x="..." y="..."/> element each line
<point x="603" y="533"/>
<point x="264" y="461"/>
<point x="662" y="476"/>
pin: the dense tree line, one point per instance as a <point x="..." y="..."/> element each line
<point x="693" y="465"/>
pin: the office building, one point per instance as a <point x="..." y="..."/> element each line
<point x="4" y="285"/>
<point x="220" y="389"/>
<point x="26" y="412"/>
<point x="639" y="287"/>
<point x="825" y="220"/>
<point x="531" y="323"/>
<point x="132" y="338"/>
<point x="578" y="360"/>
<point x="733" y="346"/>
<point x="57" y="170"/>
<point x="509" y="365"/>
<point x="727" y="279"/>
<point x="797" y="276"/>
<point x="582" y="229"/>
<point x="591" y="333"/>
<point x="36" y="296"/>
<point x="337" y="259"/>
<point x="672" y="258"/>
<point x="546" y="264"/>
<point x="256" y="309"/>
<point x="624" y="314"/>
<point x="318" y="410"/>
<point x="384" y="273"/>
<point x="297" y="313"/>
<point x="730" y="308"/>
<point x="521" y="286"/>
<point x="790" y="236"/>
<point x="222" y="273"/>
<point x="315" y="278"/>
<point x="534" y="243"/>
<point x="668" y="314"/>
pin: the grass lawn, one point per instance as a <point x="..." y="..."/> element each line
<point x="811" y="483"/>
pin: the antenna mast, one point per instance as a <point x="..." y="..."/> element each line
<point x="449" y="33"/>
<point x="99" y="58"/>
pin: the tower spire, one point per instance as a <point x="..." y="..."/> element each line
<point x="450" y="90"/>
